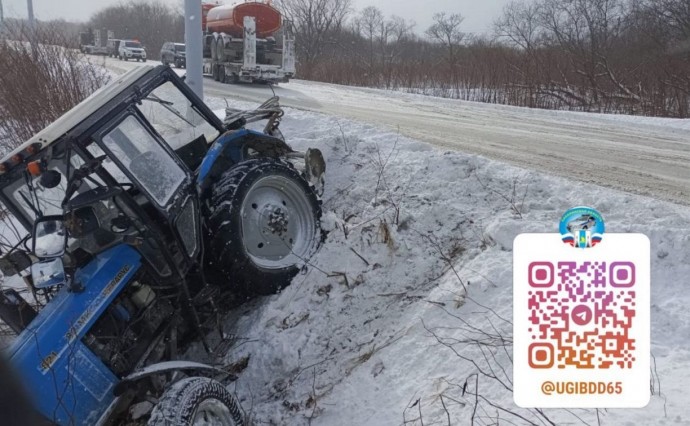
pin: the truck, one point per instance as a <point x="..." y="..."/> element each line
<point x="95" y="41"/>
<point x="136" y="220"/>
<point x="248" y="42"/>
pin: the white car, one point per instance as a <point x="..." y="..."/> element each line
<point x="131" y="49"/>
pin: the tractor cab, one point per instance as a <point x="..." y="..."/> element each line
<point x="110" y="167"/>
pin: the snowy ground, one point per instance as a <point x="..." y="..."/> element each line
<point x="374" y="333"/>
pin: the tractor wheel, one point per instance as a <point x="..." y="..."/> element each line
<point x="264" y="225"/>
<point x="197" y="401"/>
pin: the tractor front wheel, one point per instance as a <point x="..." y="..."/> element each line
<point x="264" y="225"/>
<point x="197" y="401"/>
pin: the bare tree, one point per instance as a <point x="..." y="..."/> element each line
<point x="395" y="33"/>
<point x="520" y="25"/>
<point x="314" y="22"/>
<point x="370" y="24"/>
<point x="446" y="30"/>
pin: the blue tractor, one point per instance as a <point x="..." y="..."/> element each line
<point x="132" y="221"/>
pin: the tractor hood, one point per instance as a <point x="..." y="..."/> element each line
<point x="64" y="378"/>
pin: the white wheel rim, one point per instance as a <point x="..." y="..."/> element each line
<point x="277" y="223"/>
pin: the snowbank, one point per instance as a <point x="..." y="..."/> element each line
<point x="383" y="328"/>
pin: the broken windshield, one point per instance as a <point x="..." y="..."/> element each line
<point x="145" y="158"/>
<point x="172" y="115"/>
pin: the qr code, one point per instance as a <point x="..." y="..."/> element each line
<point x="581" y="314"/>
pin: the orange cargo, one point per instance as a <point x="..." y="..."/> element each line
<point x="229" y="19"/>
<point x="205" y="7"/>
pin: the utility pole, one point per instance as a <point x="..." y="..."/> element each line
<point x="194" y="48"/>
<point x="2" y="18"/>
<point x="32" y="29"/>
<point x="30" y="9"/>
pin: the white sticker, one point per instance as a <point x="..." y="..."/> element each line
<point x="581" y="321"/>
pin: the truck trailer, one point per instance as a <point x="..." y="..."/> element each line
<point x="94" y="41"/>
<point x="248" y="42"/>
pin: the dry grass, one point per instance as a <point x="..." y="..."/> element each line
<point x="40" y="83"/>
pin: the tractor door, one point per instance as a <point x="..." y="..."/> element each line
<point x="162" y="183"/>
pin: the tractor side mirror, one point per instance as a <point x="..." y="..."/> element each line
<point x="48" y="273"/>
<point x="50" y="237"/>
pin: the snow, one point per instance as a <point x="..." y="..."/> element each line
<point x="412" y="226"/>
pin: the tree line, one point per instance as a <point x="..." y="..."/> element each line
<point x="613" y="56"/>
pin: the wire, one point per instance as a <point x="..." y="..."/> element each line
<point x="265" y="111"/>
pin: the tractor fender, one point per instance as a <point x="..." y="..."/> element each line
<point x="162" y="367"/>
<point x="231" y="146"/>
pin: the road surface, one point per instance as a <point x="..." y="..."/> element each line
<point x="644" y="156"/>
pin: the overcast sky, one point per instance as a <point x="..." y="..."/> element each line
<point x="479" y="14"/>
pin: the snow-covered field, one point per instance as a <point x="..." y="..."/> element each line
<point x="416" y="267"/>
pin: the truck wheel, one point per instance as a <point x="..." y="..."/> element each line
<point x="197" y="401"/>
<point x="264" y="224"/>
<point x="220" y="54"/>
<point x="221" y="74"/>
<point x="214" y="49"/>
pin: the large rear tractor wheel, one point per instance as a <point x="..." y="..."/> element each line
<point x="197" y="401"/>
<point x="264" y="225"/>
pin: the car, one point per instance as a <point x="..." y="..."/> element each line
<point x="112" y="47"/>
<point x="142" y="216"/>
<point x="173" y="53"/>
<point x="131" y="49"/>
